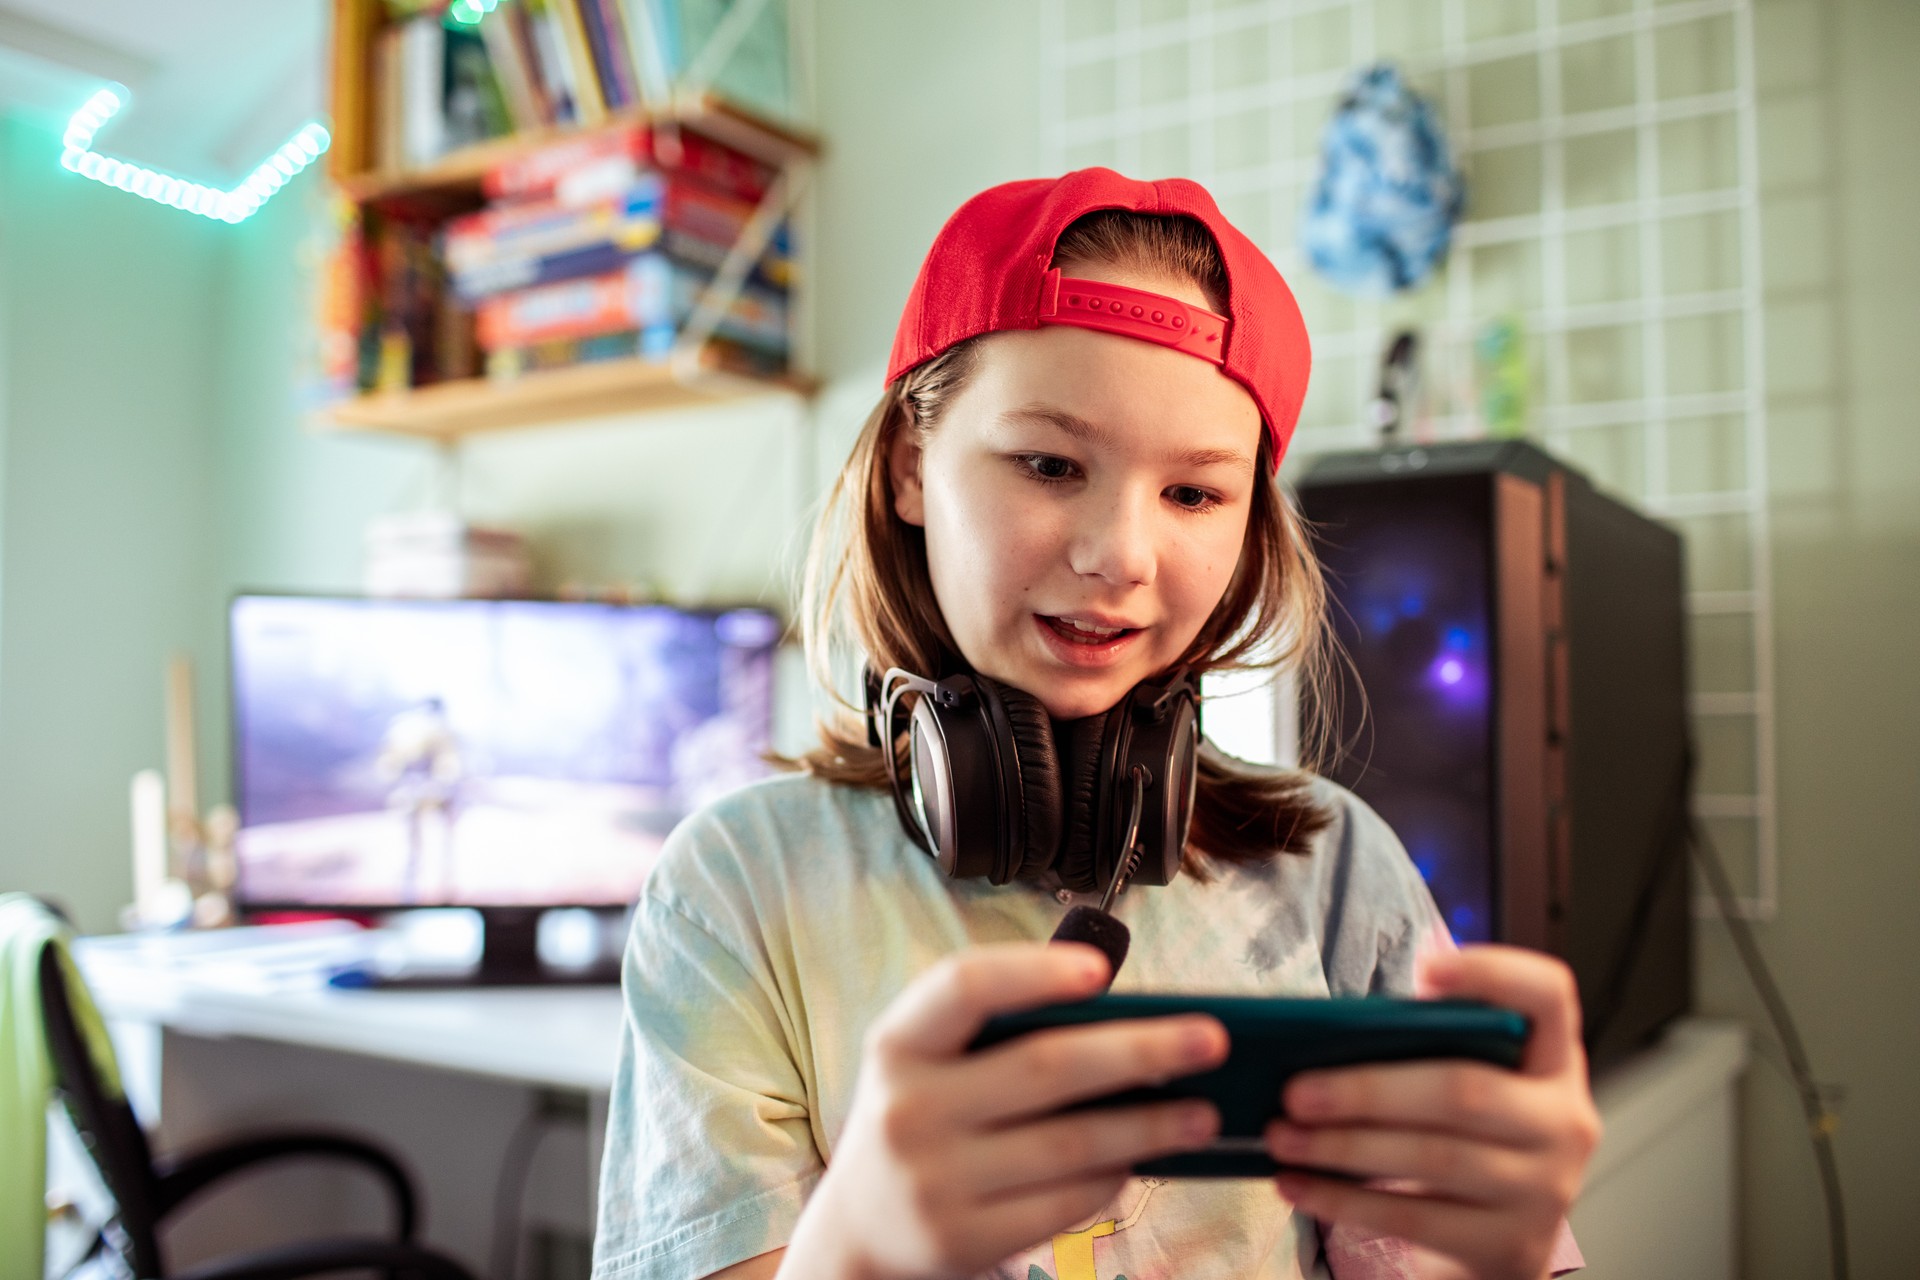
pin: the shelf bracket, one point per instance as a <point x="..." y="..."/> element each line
<point x="721" y="44"/>
<point x="721" y="292"/>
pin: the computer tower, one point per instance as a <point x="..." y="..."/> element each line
<point x="1515" y="707"/>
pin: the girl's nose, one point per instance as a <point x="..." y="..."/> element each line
<point x="1115" y="541"/>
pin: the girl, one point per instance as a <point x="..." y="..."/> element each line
<point x="1067" y="489"/>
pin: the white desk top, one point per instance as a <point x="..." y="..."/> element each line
<point x="560" y="1036"/>
<point x="566" y="1037"/>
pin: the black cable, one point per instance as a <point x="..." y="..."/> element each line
<point x="1612" y="991"/>
<point x="1820" y="1120"/>
<point x="509" y="1194"/>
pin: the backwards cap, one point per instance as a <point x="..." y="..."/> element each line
<point x="988" y="271"/>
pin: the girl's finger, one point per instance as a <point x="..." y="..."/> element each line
<point x="1045" y="1070"/>
<point x="1458" y="1230"/>
<point x="1084" y="1143"/>
<point x="1467" y="1099"/>
<point x="941" y="1011"/>
<point x="1527" y="982"/>
<point x="1448" y="1166"/>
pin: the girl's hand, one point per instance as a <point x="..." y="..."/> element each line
<point x="1482" y="1163"/>
<point x="951" y="1161"/>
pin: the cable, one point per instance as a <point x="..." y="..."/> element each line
<point x="1821" y="1121"/>
<point x="509" y="1194"/>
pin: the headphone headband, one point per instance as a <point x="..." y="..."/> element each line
<point x="992" y="787"/>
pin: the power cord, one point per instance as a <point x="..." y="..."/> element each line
<point x="1821" y="1120"/>
<point x="510" y="1192"/>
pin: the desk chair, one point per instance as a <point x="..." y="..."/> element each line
<point x="148" y="1190"/>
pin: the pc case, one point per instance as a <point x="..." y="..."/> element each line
<point x="1516" y="707"/>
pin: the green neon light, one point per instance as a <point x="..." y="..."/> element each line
<point x="78" y="155"/>
<point x="471" y="11"/>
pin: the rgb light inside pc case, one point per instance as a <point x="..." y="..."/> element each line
<point x="1415" y="617"/>
<point x="479" y="752"/>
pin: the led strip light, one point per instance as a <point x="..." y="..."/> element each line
<point x="295" y="154"/>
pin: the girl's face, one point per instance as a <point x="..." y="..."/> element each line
<point x="1085" y="498"/>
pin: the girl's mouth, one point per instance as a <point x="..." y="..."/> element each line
<point x="1084" y="643"/>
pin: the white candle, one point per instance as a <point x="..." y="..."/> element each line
<point x="149" y="840"/>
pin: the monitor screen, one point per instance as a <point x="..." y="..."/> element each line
<point x="482" y="753"/>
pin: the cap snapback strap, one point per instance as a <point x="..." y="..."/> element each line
<point x="1132" y="313"/>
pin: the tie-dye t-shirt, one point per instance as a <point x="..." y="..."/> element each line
<point x="782" y="920"/>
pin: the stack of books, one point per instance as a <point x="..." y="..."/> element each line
<point x="446" y="76"/>
<point x="436" y="555"/>
<point x="599" y="247"/>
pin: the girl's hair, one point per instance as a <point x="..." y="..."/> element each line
<point x="867" y="592"/>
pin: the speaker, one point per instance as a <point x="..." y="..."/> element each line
<point x="1516" y="707"/>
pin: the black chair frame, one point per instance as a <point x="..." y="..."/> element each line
<point x="147" y="1190"/>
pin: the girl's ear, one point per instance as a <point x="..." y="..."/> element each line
<point x="903" y="468"/>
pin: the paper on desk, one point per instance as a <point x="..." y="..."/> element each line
<point x="258" y="960"/>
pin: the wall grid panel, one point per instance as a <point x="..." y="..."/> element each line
<point x="1611" y="157"/>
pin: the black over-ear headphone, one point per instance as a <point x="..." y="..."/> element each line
<point x="994" y="788"/>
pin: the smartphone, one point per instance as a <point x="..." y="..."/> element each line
<point x="1270" y="1039"/>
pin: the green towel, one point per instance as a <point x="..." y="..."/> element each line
<point x="26" y="1076"/>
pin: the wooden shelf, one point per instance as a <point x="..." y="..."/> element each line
<point x="449" y="411"/>
<point x="461" y="171"/>
<point x="424" y="196"/>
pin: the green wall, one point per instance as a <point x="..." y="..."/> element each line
<point x="107" y="498"/>
<point x="152" y="457"/>
<point x="1838" y="134"/>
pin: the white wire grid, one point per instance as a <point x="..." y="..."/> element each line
<point x="1612" y="164"/>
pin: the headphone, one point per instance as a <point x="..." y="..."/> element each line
<point x="993" y="787"/>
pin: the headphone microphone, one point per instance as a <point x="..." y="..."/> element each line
<point x="992" y="787"/>
<point x="1098" y="926"/>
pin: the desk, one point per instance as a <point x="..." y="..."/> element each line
<point x="444" y="1077"/>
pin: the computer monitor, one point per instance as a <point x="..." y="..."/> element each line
<point x="507" y="755"/>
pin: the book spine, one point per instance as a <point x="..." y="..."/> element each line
<point x="708" y="214"/>
<point x="503" y="50"/>
<point x="756" y="316"/>
<point x="597" y="258"/>
<point x="636" y="297"/>
<point x="385" y="111"/>
<point x="586" y="82"/>
<point x="610" y="48"/>
<point x="672" y="37"/>
<point x="520" y="30"/>
<point x="521" y="228"/>
<point x="643" y="45"/>
<point x="774" y="270"/>
<point x="555" y="71"/>
<point x="725" y="167"/>
<point x="354" y="75"/>
<point x="422" y="107"/>
<point x="536" y="176"/>
<point x="650" y="291"/>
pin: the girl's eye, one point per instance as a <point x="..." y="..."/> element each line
<point x="1192" y="499"/>
<point x="1046" y="467"/>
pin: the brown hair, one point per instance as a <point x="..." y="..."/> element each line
<point x="867" y="592"/>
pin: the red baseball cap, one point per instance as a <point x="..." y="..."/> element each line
<point x="988" y="271"/>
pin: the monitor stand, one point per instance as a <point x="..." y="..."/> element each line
<point x="509" y="957"/>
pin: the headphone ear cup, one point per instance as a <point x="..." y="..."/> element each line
<point x="1082" y="778"/>
<point x="1037" y="794"/>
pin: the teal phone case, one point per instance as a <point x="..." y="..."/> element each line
<point x="1271" y="1039"/>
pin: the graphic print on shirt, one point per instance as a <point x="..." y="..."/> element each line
<point x="1073" y="1250"/>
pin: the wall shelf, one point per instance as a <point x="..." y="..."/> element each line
<point x="460" y="172"/>
<point x="449" y="411"/>
<point x="453" y="184"/>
